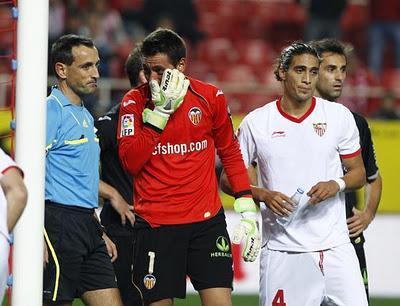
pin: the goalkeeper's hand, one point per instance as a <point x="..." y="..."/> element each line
<point x="167" y="97"/>
<point x="247" y="229"/>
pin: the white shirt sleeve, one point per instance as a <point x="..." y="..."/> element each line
<point x="247" y="143"/>
<point x="349" y="139"/>
<point x="5" y="163"/>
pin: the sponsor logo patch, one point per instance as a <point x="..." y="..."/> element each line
<point x="149" y="281"/>
<point x="222" y="244"/>
<point x="126" y="103"/>
<point x="320" y="128"/>
<point x="365" y="276"/>
<point x="104" y="118"/>
<point x="167" y="79"/>
<point x="127" y="125"/>
<point x="223" y="247"/>
<point x="195" y="115"/>
<point x="278" y="134"/>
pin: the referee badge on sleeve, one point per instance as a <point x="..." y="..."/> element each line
<point x="127" y="125"/>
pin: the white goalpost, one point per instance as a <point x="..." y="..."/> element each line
<point x="32" y="43"/>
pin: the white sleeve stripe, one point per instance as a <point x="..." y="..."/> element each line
<point x="374" y="176"/>
<point x="57" y="100"/>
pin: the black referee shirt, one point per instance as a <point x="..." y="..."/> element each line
<point x="111" y="169"/>
<point x="368" y="156"/>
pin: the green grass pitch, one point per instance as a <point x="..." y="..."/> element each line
<point x="252" y="300"/>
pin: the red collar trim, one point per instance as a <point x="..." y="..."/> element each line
<point x="294" y="119"/>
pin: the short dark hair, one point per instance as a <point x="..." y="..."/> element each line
<point x="165" y="41"/>
<point x="61" y="50"/>
<point x="331" y="45"/>
<point x="285" y="58"/>
<point x="133" y="65"/>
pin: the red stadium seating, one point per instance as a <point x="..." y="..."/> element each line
<point x="355" y="16"/>
<point x="217" y="51"/>
<point x="126" y="4"/>
<point x="256" y="53"/>
<point x="391" y="80"/>
<point x="246" y="102"/>
<point x="237" y="74"/>
<point x="200" y="70"/>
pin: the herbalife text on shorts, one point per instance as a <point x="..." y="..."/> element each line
<point x="179" y="148"/>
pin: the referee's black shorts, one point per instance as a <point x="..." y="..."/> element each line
<point x="78" y="258"/>
<point x="165" y="255"/>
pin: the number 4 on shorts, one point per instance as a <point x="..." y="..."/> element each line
<point x="279" y="299"/>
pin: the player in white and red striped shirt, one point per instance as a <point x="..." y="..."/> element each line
<point x="13" y="196"/>
<point x="300" y="141"/>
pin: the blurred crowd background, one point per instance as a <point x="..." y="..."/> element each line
<point x="234" y="43"/>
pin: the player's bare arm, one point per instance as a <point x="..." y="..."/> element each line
<point x="353" y="179"/>
<point x="111" y="248"/>
<point x="362" y="218"/>
<point x="125" y="210"/>
<point x="226" y="186"/>
<point x="252" y="173"/>
<point x="355" y="176"/>
<point x="282" y="207"/>
<point x="278" y="202"/>
<point x="16" y="195"/>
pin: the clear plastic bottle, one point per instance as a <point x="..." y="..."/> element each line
<point x="284" y="221"/>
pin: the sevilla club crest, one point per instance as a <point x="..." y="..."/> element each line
<point x="320" y="128"/>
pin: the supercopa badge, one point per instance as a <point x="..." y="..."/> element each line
<point x="195" y="115"/>
<point x="149" y="281"/>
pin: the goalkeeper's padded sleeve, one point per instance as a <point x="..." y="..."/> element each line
<point x="244" y="204"/>
<point x="155" y="118"/>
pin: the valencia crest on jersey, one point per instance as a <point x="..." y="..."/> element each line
<point x="195" y="115"/>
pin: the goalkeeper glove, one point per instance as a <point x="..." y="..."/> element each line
<point x="167" y="97"/>
<point x="247" y="229"/>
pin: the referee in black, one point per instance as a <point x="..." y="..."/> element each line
<point x="117" y="215"/>
<point x="332" y="73"/>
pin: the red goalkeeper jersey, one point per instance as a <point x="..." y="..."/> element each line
<point x="174" y="169"/>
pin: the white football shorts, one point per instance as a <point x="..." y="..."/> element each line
<point x="330" y="277"/>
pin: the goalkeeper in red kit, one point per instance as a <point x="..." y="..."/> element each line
<point x="169" y="130"/>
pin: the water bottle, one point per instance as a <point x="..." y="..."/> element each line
<point x="284" y="221"/>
